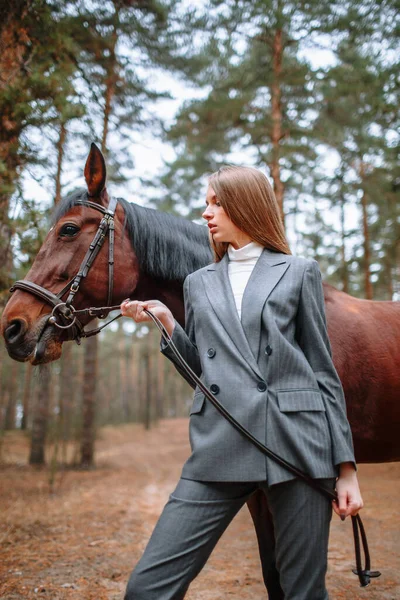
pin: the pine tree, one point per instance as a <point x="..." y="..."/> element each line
<point x="259" y="99"/>
<point x="36" y="71"/>
<point x="122" y="96"/>
<point x="358" y="115"/>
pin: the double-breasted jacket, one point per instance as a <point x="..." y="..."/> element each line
<point x="272" y="370"/>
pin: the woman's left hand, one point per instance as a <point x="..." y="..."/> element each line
<point x="348" y="491"/>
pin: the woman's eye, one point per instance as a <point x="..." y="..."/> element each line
<point x="218" y="203"/>
<point x="69" y="230"/>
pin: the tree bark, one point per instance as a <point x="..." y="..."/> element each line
<point x="66" y="397"/>
<point x="345" y="274"/>
<point x="366" y="244"/>
<point x="147" y="387"/>
<point x="133" y="359"/>
<point x="91" y="345"/>
<point x="40" y="419"/>
<point x="60" y="156"/>
<point x="89" y="403"/>
<point x="2" y="388"/>
<point x="11" y="406"/>
<point x="11" y="12"/>
<point x="123" y="377"/>
<point x="111" y="80"/>
<point x="388" y="269"/>
<point x="160" y="362"/>
<point x="27" y="396"/>
<point x="14" y="52"/>
<point x="276" y="111"/>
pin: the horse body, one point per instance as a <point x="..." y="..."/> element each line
<point x="154" y="252"/>
<point x="365" y="339"/>
<point x="364" y="334"/>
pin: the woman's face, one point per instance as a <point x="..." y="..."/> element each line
<point x="221" y="227"/>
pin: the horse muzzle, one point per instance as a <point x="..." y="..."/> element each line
<point x="39" y="343"/>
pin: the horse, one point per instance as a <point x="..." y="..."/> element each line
<point x="152" y="254"/>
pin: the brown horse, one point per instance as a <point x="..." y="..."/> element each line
<point x="153" y="254"/>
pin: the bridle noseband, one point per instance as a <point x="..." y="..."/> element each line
<point x="64" y="316"/>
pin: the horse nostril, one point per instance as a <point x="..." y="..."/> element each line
<point x="14" y="331"/>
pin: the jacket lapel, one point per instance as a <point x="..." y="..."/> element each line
<point x="267" y="271"/>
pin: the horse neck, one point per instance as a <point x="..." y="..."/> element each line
<point x="168" y="292"/>
<point x="182" y="252"/>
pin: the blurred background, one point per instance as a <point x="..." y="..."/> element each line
<point x="170" y="90"/>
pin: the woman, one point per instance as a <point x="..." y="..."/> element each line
<point x="255" y="331"/>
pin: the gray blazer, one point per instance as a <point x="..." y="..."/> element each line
<point x="272" y="370"/>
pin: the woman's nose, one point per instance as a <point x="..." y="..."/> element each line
<point x="206" y="214"/>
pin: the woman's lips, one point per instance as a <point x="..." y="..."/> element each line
<point x="212" y="227"/>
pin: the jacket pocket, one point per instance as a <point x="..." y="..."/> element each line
<point x="198" y="401"/>
<point x="300" y="399"/>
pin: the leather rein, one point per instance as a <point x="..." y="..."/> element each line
<point x="65" y="317"/>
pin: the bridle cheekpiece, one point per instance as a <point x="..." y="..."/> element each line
<point x="64" y="316"/>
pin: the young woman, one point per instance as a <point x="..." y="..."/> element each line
<point x="255" y="331"/>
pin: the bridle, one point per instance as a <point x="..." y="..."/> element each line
<point x="64" y="316"/>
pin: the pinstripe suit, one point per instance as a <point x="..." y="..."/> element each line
<point x="273" y="371"/>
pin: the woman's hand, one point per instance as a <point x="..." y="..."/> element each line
<point x="348" y="491"/>
<point x="135" y="310"/>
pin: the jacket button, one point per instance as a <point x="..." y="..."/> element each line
<point x="214" y="388"/>
<point x="268" y="349"/>
<point x="261" y="386"/>
<point x="211" y="353"/>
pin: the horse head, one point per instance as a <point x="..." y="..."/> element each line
<point x="27" y="330"/>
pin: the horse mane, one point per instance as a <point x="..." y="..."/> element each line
<point x="167" y="246"/>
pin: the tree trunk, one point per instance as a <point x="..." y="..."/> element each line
<point x="89" y="403"/>
<point x="40" y="419"/>
<point x="11" y="13"/>
<point x="345" y="275"/>
<point x="276" y="108"/>
<point x="14" y="53"/>
<point x="111" y="80"/>
<point x="133" y="359"/>
<point x="147" y="386"/>
<point x="3" y="403"/>
<point x="46" y="390"/>
<point x="91" y="345"/>
<point x="160" y="362"/>
<point x="26" y="396"/>
<point x="388" y="269"/>
<point x="65" y="401"/>
<point x="367" y="254"/>
<point x="60" y="156"/>
<point x="153" y="376"/>
<point x="11" y="406"/>
<point x="123" y="377"/>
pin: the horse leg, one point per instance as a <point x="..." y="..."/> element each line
<point x="262" y="519"/>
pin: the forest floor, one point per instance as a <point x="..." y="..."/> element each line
<point x="81" y="539"/>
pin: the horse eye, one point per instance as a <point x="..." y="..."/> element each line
<point x="68" y="230"/>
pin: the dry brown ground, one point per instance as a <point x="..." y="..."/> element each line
<point x="82" y="541"/>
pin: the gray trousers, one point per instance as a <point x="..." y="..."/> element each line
<point x="196" y="515"/>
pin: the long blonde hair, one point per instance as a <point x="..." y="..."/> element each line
<point x="249" y="201"/>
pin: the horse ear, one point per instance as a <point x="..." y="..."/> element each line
<point x="95" y="171"/>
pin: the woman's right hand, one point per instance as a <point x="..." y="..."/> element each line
<point x="135" y="310"/>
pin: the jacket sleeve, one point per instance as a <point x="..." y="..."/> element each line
<point x="184" y="340"/>
<point x="312" y="335"/>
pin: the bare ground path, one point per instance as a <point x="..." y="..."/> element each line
<point x="82" y="541"/>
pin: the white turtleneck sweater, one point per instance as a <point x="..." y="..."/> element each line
<point x="241" y="264"/>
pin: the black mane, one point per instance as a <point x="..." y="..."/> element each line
<point x="168" y="247"/>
